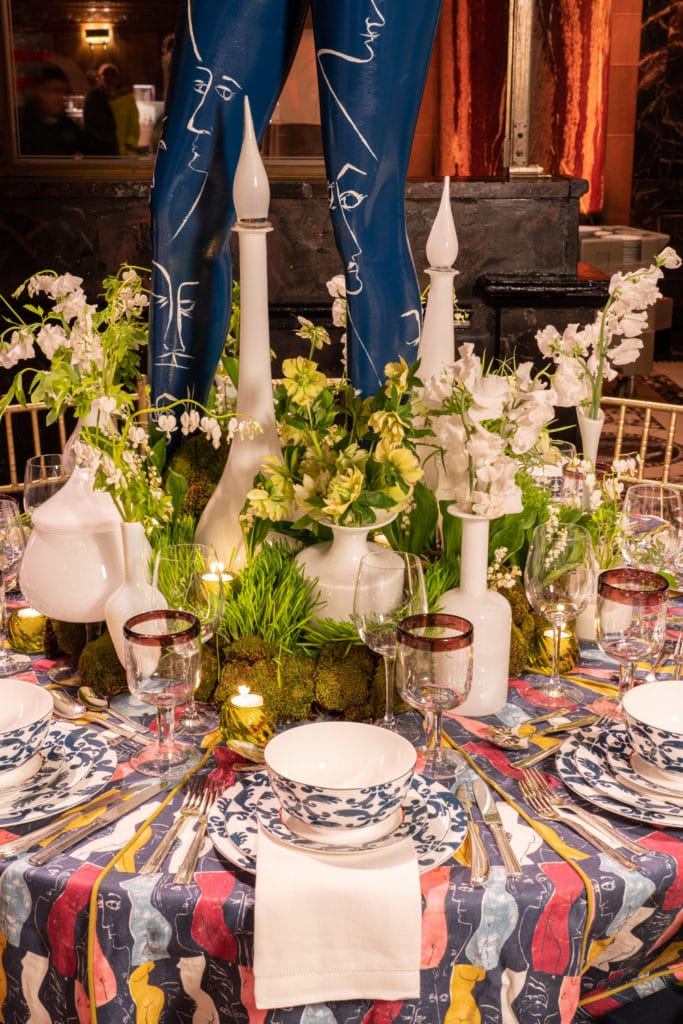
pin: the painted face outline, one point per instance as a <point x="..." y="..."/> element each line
<point x="227" y="88"/>
<point x="348" y="199"/>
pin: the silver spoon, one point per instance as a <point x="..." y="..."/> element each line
<point x="70" y="709"/>
<point x="94" y="702"/>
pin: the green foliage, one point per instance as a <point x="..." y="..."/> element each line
<point x="414" y="529"/>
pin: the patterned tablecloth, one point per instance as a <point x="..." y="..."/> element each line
<point x="85" y="938"/>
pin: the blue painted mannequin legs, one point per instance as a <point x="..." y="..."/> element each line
<point x="373" y="57"/>
<point x="372" y="61"/>
<point x="223" y="50"/>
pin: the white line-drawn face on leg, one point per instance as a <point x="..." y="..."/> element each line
<point x="346" y="195"/>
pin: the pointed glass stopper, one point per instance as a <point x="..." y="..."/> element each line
<point x="442" y="244"/>
<point x="250" y="190"/>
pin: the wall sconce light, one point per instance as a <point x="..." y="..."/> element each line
<point x="97" y="34"/>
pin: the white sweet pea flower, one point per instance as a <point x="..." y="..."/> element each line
<point x="625" y="352"/>
<point x="20" y="347"/>
<point x="669" y="258"/>
<point x="490" y="395"/>
<point x="51" y="337"/>
<point x="65" y="284"/>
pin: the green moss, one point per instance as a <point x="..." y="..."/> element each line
<point x="51" y="644"/>
<point x="100" y="668"/>
<point x="342" y="677"/>
<point x="201" y="465"/>
<point x="250" y="649"/>
<point x="519" y="651"/>
<point x="70" y="636"/>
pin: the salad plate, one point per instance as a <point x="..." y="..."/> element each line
<point x="50" y="763"/>
<point x="432" y="818"/>
<point x="584" y="769"/>
<point x="89" y="764"/>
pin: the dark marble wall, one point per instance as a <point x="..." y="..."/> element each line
<point x="657" y="194"/>
<point x="90" y="228"/>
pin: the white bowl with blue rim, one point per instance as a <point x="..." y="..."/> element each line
<point x="25" y="714"/>
<point x="340" y="775"/>
<point x="653" y="713"/>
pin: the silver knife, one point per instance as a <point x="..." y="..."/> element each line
<point x="70" y="839"/>
<point x="487" y="805"/>
<point x="479" y="870"/>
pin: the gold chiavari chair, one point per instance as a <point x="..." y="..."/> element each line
<point x="637" y="421"/>
<point x="23" y="434"/>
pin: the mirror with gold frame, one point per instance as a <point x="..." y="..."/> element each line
<point x="80" y="38"/>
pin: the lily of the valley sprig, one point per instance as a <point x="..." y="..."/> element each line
<point x="586" y="357"/>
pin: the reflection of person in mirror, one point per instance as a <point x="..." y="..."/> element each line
<point x="98" y="115"/>
<point x="45" y="129"/>
<point x="372" y="60"/>
<point x="123" y="107"/>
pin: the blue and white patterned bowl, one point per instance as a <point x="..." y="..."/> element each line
<point x="340" y="774"/>
<point x="653" y="713"/>
<point x="25" y="712"/>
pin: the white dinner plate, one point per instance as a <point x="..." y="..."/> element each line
<point x="89" y="765"/>
<point x="433" y="818"/>
<point x="584" y="769"/>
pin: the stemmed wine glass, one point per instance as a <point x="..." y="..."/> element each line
<point x="559" y="578"/>
<point x="650" y="526"/>
<point x="631" y="618"/>
<point x="186" y="575"/>
<point x="12" y="543"/>
<point x="389" y="587"/>
<point x="44" y="475"/>
<point x="163" y="655"/>
<point x="434" y="674"/>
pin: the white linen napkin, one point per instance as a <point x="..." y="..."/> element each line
<point x="344" y="926"/>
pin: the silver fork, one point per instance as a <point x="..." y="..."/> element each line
<point x="189" y="806"/>
<point x="185" y="872"/>
<point x="554" y="812"/>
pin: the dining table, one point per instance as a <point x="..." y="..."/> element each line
<point x="87" y="938"/>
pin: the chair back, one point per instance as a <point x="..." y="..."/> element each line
<point x="653" y="426"/>
<point x="24" y="433"/>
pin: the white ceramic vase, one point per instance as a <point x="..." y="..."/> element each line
<point x="136" y="593"/>
<point x="490" y="614"/>
<point x="334" y="564"/>
<point x="74" y="558"/>
<point x="590" y="430"/>
<point x="584" y="625"/>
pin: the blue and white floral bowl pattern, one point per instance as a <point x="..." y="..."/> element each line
<point x="340" y="774"/>
<point x="653" y="713"/>
<point x="25" y="712"/>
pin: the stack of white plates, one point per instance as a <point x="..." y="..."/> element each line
<point x="430" y="816"/>
<point x="600" y="766"/>
<point x="73" y="766"/>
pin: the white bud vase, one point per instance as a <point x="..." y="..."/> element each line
<point x="590" y="430"/>
<point x="490" y="614"/>
<point x="334" y="564"/>
<point x="136" y="593"/>
<point x="73" y="560"/>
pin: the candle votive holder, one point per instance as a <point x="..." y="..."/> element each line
<point x="540" y="655"/>
<point x="245" y="719"/>
<point x="26" y="630"/>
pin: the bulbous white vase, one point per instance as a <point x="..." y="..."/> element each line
<point x="334" y="564"/>
<point x="136" y="593"/>
<point x="584" y="624"/>
<point x="74" y="557"/>
<point x="490" y="614"/>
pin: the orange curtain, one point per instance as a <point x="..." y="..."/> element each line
<point x="570" y="54"/>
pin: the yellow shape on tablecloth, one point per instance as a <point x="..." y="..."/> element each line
<point x="3" y="975"/>
<point x="463" y="1007"/>
<point x="149" y="999"/>
<point x="126" y="861"/>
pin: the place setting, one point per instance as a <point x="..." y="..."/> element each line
<point x="46" y="766"/>
<point x="337" y="789"/>
<point x="633" y="768"/>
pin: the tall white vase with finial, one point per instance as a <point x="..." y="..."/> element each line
<point x="437" y="341"/>
<point x="219" y="525"/>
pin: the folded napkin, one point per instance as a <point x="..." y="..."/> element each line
<point x="343" y="926"/>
